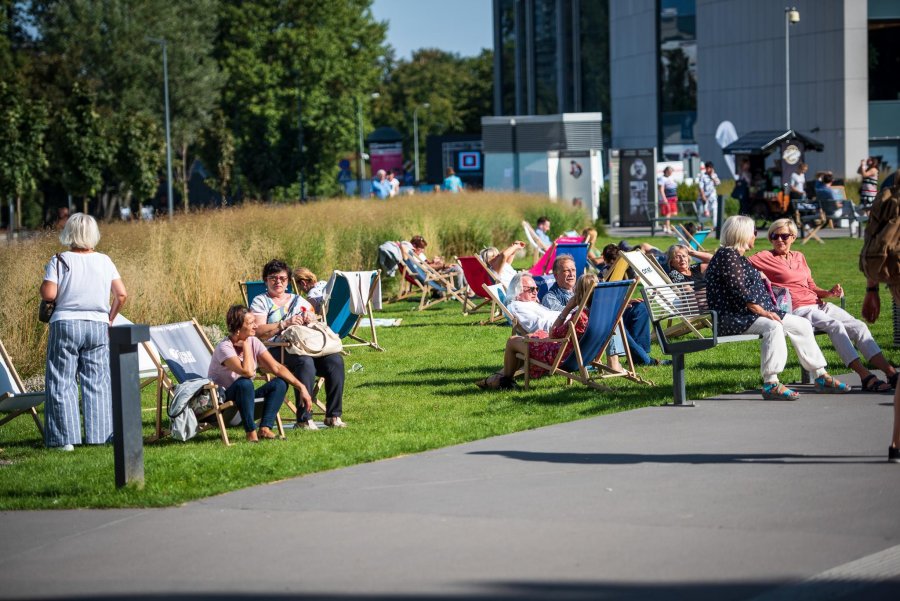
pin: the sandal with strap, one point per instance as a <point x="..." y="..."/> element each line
<point x="831" y="385"/>
<point x="892" y="380"/>
<point x="871" y="383"/>
<point x="779" y="392"/>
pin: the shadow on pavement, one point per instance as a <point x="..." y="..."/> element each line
<point x="691" y="458"/>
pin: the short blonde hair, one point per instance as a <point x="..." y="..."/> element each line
<point x="590" y="235"/>
<point x="784" y="222"/>
<point x="80" y="232"/>
<point x="584" y="286"/>
<point x="302" y="274"/>
<point x="737" y="232"/>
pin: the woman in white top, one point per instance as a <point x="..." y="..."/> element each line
<point x="80" y="281"/>
<point x="501" y="262"/>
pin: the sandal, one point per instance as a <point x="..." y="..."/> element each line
<point x="871" y="383"/>
<point x="892" y="380"/>
<point x="492" y="382"/>
<point x="778" y="392"/>
<point x="830" y="384"/>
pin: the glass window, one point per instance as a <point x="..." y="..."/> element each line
<point x="545" y="72"/>
<point x="884" y="60"/>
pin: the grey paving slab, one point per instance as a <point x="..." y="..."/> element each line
<point x="736" y="498"/>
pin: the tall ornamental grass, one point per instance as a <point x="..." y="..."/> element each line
<point x="190" y="266"/>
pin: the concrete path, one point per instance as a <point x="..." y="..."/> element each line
<point x="737" y="498"/>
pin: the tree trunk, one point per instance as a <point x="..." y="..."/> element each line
<point x="84" y="202"/>
<point x="18" y="211"/>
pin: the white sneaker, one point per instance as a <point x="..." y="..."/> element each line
<point x="307" y="425"/>
<point x="335" y="422"/>
<point x="66" y="447"/>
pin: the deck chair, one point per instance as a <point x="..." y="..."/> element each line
<point x="340" y="311"/>
<point x="578" y="251"/>
<point x="810" y="218"/>
<point x="14" y="401"/>
<point x="610" y="301"/>
<point x="695" y="241"/>
<point x="477" y="276"/>
<point x="498" y="296"/>
<point x="544" y="265"/>
<point x="531" y="237"/>
<point x="147" y="371"/>
<point x="544" y="283"/>
<point x="430" y="280"/>
<point x="187" y="352"/>
<point x="250" y="289"/>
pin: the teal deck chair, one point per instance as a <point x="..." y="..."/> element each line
<point x="339" y="313"/>
<point x="250" y="289"/>
<point x="695" y="241"/>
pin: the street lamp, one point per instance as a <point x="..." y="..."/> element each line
<point x="791" y="16"/>
<point x="162" y="42"/>
<point x="416" y="135"/>
<point x="361" y="161"/>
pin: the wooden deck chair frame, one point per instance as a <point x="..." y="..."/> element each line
<point x="435" y="281"/>
<point x="695" y="242"/>
<point x="531" y="237"/>
<point x="602" y="370"/>
<point x="504" y="310"/>
<point x="479" y="292"/>
<point x="166" y="383"/>
<point x="17" y="401"/>
<point x="373" y="341"/>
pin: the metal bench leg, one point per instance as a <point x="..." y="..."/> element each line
<point x="678" y="384"/>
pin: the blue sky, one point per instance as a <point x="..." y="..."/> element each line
<point x="460" y="26"/>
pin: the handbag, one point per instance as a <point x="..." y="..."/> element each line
<point x="46" y="308"/>
<point x="781" y="297"/>
<point x="313" y="340"/>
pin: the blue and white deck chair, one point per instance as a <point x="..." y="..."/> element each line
<point x="14" y="401"/>
<point x="544" y="283"/>
<point x="343" y="309"/>
<point x="695" y="241"/>
<point x="187" y="353"/>
<point x="250" y="289"/>
<point x="579" y="253"/>
<point x="609" y="302"/>
<point x="430" y="281"/>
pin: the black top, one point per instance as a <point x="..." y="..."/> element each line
<point x="697" y="276"/>
<point x="732" y="282"/>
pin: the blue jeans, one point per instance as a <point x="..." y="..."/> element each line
<point x="636" y="320"/>
<point x="242" y="393"/>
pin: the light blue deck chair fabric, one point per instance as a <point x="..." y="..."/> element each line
<point x="339" y="314"/>
<point x="253" y="288"/>
<point x="579" y="253"/>
<point x="14" y="401"/>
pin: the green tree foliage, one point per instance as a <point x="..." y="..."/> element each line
<point x="138" y="157"/>
<point x="23" y="123"/>
<point x="284" y="57"/>
<point x="217" y="153"/>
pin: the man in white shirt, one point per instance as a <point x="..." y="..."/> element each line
<point x="531" y="315"/>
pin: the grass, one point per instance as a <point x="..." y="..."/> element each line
<point x="418" y="395"/>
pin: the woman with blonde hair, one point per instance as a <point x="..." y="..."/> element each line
<point x="735" y="290"/>
<point x="543" y="351"/>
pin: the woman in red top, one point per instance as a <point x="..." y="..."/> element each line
<point x="788" y="268"/>
<point x="546" y="351"/>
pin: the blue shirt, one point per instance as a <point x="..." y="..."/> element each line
<point x="542" y="236"/>
<point x="381" y="188"/>
<point x="556" y="298"/>
<point x="452" y="183"/>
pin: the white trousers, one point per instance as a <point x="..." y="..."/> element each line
<point x="773" y="351"/>
<point x="845" y="331"/>
<point x="712" y="206"/>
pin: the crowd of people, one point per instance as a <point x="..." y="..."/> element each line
<point x="88" y="293"/>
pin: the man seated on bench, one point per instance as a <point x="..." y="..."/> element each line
<point x="788" y="268"/>
<point x="735" y="290"/>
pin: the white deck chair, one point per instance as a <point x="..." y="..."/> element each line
<point x="14" y="401"/>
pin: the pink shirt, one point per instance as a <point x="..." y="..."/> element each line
<point x="221" y="375"/>
<point x="793" y="274"/>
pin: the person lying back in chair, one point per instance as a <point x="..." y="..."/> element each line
<point x="501" y="262"/>
<point x="530" y="314"/>
<point x="542" y="351"/>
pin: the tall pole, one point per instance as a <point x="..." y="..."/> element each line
<point x="791" y="16"/>
<point x="300" y="141"/>
<point x="416" y="136"/>
<point x="162" y="42"/>
<point x="359" y="165"/>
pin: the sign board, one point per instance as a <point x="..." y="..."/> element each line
<point x="386" y="156"/>
<point x="576" y="177"/>
<point x="637" y="183"/>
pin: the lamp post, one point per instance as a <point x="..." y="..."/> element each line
<point x="416" y="136"/>
<point x="791" y="16"/>
<point x="162" y="42"/>
<point x="361" y="161"/>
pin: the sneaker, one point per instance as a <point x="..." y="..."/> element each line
<point x="68" y="448"/>
<point x="307" y="425"/>
<point x="830" y="384"/>
<point x="893" y="455"/>
<point x="335" y="422"/>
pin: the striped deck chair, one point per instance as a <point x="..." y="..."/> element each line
<point x="339" y="310"/>
<point x="609" y="302"/>
<point x="477" y="276"/>
<point x="186" y="351"/>
<point x="14" y="400"/>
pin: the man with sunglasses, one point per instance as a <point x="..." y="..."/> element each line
<point x="531" y="315"/>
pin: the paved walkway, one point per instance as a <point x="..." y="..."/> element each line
<point x="737" y="498"/>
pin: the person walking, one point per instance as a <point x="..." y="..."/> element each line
<point x="452" y="183"/>
<point x="79" y="281"/>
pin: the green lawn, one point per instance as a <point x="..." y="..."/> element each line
<point x="418" y="395"/>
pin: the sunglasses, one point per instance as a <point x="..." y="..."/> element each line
<point x="529" y="289"/>
<point x="782" y="237"/>
<point x="277" y="279"/>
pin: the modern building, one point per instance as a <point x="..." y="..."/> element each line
<point x="668" y="73"/>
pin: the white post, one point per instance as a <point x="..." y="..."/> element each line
<point x="416" y="136"/>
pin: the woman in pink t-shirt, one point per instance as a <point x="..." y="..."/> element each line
<point x="788" y="268"/>
<point x="233" y="366"/>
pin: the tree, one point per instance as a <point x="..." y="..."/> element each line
<point x="23" y="123"/>
<point x="138" y="158"/>
<point x="284" y="55"/>
<point x="217" y="153"/>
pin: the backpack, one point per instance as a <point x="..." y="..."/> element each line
<point x="879" y="259"/>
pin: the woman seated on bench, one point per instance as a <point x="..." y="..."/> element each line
<point x="542" y="351"/>
<point x="788" y="268"/>
<point x="735" y="289"/>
